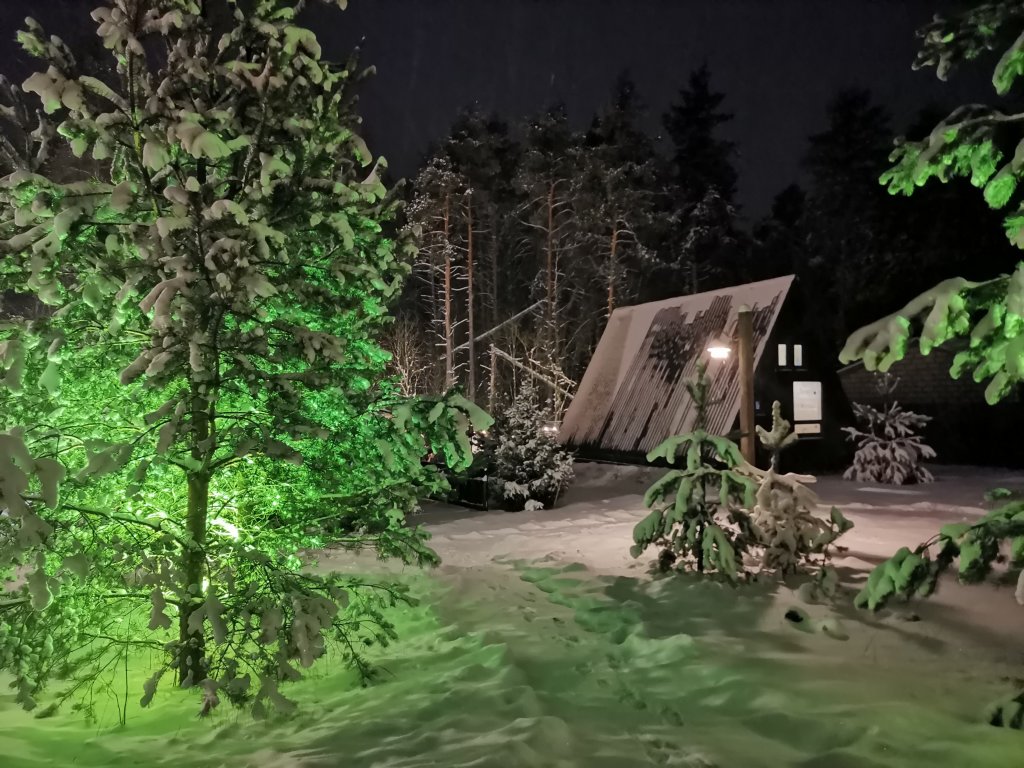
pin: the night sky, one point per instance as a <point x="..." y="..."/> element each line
<point x="778" y="61"/>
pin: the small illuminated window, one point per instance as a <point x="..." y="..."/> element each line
<point x="798" y="355"/>
<point x="782" y="355"/>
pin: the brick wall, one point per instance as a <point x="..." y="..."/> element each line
<point x="964" y="429"/>
<point x="923" y="379"/>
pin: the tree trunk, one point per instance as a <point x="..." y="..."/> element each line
<point x="549" y="308"/>
<point x="449" y="341"/>
<point x="495" y="279"/>
<point x="191" y="670"/>
<point x="469" y="298"/>
<point x="193" y="645"/>
<point x="611" y="270"/>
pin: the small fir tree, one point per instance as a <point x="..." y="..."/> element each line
<point x="530" y="467"/>
<point x="791" y="532"/>
<point x="698" y="515"/>
<point x="889" y="450"/>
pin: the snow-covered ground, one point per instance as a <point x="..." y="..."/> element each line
<point x="542" y="644"/>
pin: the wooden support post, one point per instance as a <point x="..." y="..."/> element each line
<point x="745" y="332"/>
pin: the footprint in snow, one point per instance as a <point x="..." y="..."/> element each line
<point x="798" y="619"/>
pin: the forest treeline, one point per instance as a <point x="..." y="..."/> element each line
<point x="541" y="230"/>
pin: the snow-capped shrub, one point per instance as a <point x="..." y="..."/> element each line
<point x="531" y="469"/>
<point x="791" y="534"/>
<point x="889" y="448"/>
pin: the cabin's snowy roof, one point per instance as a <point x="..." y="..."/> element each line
<point x="633" y="394"/>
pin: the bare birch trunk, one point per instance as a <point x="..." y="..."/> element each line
<point x="449" y="340"/>
<point x="471" y="388"/>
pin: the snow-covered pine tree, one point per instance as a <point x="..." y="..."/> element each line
<point x="207" y="381"/>
<point x="711" y="245"/>
<point x="548" y="183"/>
<point x="889" y="448"/>
<point x="481" y="149"/>
<point x="618" y="171"/>
<point x="785" y="512"/>
<point x="437" y="218"/>
<point x="698" y="513"/>
<point x="531" y="469"/>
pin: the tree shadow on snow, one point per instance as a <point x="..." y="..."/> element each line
<point x="701" y="607"/>
<point x="910" y="620"/>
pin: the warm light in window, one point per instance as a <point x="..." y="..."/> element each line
<point x="798" y="355"/>
<point x="782" y="355"/>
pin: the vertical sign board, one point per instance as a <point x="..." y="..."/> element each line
<point x="807" y="407"/>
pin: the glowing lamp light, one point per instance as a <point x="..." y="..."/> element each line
<point x="718" y="350"/>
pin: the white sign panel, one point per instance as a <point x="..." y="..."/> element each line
<point x="807" y="429"/>
<point x="806" y="401"/>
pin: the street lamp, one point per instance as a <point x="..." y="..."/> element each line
<point x="719" y="349"/>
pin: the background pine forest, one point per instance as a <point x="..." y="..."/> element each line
<point x="540" y="230"/>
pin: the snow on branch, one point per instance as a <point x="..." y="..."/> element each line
<point x="989" y="314"/>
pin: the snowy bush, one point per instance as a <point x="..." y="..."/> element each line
<point x="698" y="515"/>
<point x="791" y="534"/>
<point x="531" y="469"/>
<point x="889" y="450"/>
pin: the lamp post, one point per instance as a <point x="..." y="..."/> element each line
<point x="719" y="350"/>
<point x="745" y="331"/>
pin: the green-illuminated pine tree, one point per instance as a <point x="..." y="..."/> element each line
<point x="698" y="512"/>
<point x="205" y="399"/>
<point x="985" y="145"/>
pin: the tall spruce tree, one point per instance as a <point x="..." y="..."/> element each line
<point x="710" y="253"/>
<point x="701" y="157"/>
<point x="854" y="235"/>
<point x="614" y="212"/>
<point x="437" y="215"/>
<point x="482" y="152"/>
<point x="548" y="181"/>
<point x="619" y="167"/>
<point x="698" y="205"/>
<point x="206" y="398"/>
<point x="778" y="240"/>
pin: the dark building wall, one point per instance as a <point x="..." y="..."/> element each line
<point x="964" y="429"/>
<point x="827" y="451"/>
